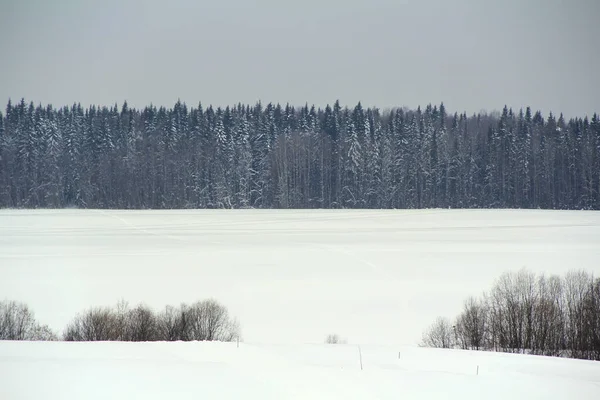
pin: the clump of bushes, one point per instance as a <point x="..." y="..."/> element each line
<point x="17" y="322"/>
<point x="528" y="313"/>
<point x="334" y="338"/>
<point x="205" y="320"/>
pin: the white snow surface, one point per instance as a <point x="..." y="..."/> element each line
<point x="202" y="370"/>
<point x="290" y="277"/>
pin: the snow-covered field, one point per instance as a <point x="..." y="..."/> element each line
<point x="193" y="370"/>
<point x="373" y="277"/>
<point x="377" y="278"/>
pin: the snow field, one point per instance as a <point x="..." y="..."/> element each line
<point x="378" y="277"/>
<point x="192" y="370"/>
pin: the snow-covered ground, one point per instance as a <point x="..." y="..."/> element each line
<point x="373" y="277"/>
<point x="194" y="370"/>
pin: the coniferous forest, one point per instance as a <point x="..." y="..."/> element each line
<point x="273" y="156"/>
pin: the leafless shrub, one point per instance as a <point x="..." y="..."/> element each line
<point x="43" y="333"/>
<point x="232" y="332"/>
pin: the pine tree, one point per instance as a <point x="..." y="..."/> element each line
<point x="353" y="165"/>
<point x="595" y="133"/>
<point x="4" y="164"/>
<point x="451" y="172"/>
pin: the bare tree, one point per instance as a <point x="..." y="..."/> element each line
<point x="217" y="319"/>
<point x="501" y="304"/>
<point x="548" y="325"/>
<point x="208" y="320"/>
<point x="169" y="324"/>
<point x="507" y="312"/>
<point x="121" y="316"/>
<point x="141" y="325"/>
<point x="17" y="322"/>
<point x="440" y="334"/>
<point x="232" y="332"/>
<point x="471" y="325"/>
<point x="592" y="320"/>
<point x="577" y="284"/>
<point x="96" y="324"/>
<point x="557" y="316"/>
<point x="527" y="298"/>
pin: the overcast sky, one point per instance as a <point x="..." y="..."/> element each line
<point x="471" y="54"/>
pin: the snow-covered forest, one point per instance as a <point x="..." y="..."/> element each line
<point x="273" y="156"/>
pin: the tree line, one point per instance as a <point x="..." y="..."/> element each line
<point x="277" y="156"/>
<point x="528" y="313"/>
<point x="206" y="320"/>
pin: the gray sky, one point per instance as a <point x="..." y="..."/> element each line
<point x="471" y="54"/>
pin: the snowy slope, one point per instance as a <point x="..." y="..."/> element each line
<point x="374" y="277"/>
<point x="74" y="371"/>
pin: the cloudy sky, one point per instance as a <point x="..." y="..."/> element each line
<point x="470" y="54"/>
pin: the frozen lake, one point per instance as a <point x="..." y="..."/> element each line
<point x="377" y="277"/>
